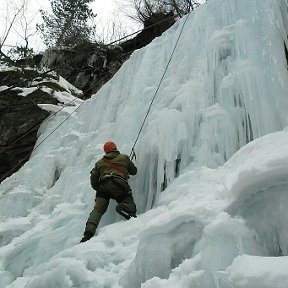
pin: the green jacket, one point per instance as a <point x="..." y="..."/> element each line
<point x="112" y="162"/>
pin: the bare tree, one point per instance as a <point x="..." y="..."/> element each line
<point x="9" y="23"/>
<point x="19" y="29"/>
<point x="25" y="33"/>
<point x="182" y="7"/>
<point x="141" y="10"/>
<point x="110" y="31"/>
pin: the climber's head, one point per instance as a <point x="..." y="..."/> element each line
<point x="109" y="146"/>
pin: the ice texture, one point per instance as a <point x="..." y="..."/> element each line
<point x="212" y="157"/>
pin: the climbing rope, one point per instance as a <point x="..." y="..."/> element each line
<point x="132" y="154"/>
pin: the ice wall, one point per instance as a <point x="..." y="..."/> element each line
<point x="226" y="85"/>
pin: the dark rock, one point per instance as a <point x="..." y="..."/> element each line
<point x="86" y="67"/>
<point x="17" y="77"/>
<point x="90" y="65"/>
<point x="153" y="27"/>
<point x="33" y="61"/>
<point x="39" y="97"/>
<point x="19" y="117"/>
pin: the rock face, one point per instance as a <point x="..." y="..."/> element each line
<point x="87" y="66"/>
<point x="91" y="65"/>
<point x="153" y="27"/>
<point x="20" y="115"/>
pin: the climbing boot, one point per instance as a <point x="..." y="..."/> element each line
<point x="124" y="212"/>
<point x="87" y="235"/>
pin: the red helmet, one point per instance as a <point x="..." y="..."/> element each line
<point x="109" y="146"/>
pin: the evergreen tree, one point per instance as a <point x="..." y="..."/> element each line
<point x="68" y="23"/>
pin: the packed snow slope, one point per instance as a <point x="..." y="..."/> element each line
<point x="212" y="188"/>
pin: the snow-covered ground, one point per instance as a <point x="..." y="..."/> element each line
<point x="212" y="208"/>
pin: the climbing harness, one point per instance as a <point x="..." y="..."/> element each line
<point x="116" y="167"/>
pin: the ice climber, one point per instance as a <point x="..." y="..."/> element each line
<point x="109" y="178"/>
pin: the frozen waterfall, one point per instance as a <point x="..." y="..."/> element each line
<point x="212" y="186"/>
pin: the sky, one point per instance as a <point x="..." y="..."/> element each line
<point x="107" y="11"/>
<point x="211" y="188"/>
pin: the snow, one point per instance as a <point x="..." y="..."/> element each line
<point x="212" y="186"/>
<point x="25" y="91"/>
<point x="2" y="88"/>
<point x="272" y="272"/>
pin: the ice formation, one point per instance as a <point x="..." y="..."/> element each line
<point x="212" y="186"/>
